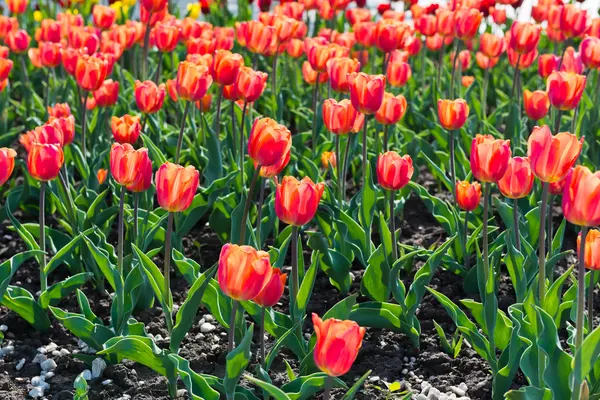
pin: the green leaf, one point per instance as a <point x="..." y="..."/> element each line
<point x="236" y="364"/>
<point x="198" y="388"/>
<point x="94" y="335"/>
<point x="367" y="209"/>
<point x="84" y="306"/>
<point x="503" y="326"/>
<point x="586" y="358"/>
<point x="274" y="391"/>
<point x="155" y="278"/>
<point x="60" y="290"/>
<point x="64" y="254"/>
<point x="10" y="266"/>
<point x="306" y="287"/>
<point x="81" y="388"/>
<point x="356" y="387"/>
<point x="187" y="311"/>
<point x="305" y="387"/>
<point x="529" y="393"/>
<point x="21" y="301"/>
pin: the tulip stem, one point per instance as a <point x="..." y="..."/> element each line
<point x="274" y="73"/>
<point x="486" y="77"/>
<point x="247" y="205"/>
<point x="233" y="137"/>
<point x="465" y="238"/>
<point x="157" y="73"/>
<point x="263" y="362"/>
<point x="295" y="281"/>
<point x="550" y="225"/>
<point x="422" y="68"/>
<point x="338" y="168"/>
<point x="542" y="272"/>
<point x="241" y="149"/>
<point x="364" y="152"/>
<point x="146" y="45"/>
<point x="455" y="60"/>
<point x="557" y="121"/>
<point x="180" y="138"/>
<point x="218" y="116"/>
<point x="452" y="167"/>
<point x="574" y="121"/>
<point x="385" y="137"/>
<point x="167" y="270"/>
<point x="121" y="233"/>
<point x="580" y="301"/>
<point x="516" y="224"/>
<point x="393" y="226"/>
<point x="83" y="122"/>
<point x="315" y="100"/>
<point x="261" y="200"/>
<point x="231" y="341"/>
<point x="591" y="301"/>
<point x="439" y="71"/>
<point x="43" y="277"/>
<point x="136" y="205"/>
<point x="486" y="259"/>
<point x="327" y="390"/>
<point x="345" y="169"/>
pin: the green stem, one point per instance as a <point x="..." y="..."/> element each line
<point x="121" y="233"/>
<point x="550" y="225"/>
<point x="338" y="168"/>
<point x="542" y="273"/>
<point x="83" y="122"/>
<point x="327" y="389"/>
<point x="465" y="238"/>
<point x="263" y="362"/>
<point x="516" y="224"/>
<point x="422" y="68"/>
<point x="454" y="62"/>
<point x="346" y="160"/>
<point x="146" y="45"/>
<point x="247" y="204"/>
<point x="580" y="302"/>
<point x="136" y="204"/>
<point x="167" y="269"/>
<point x="261" y="201"/>
<point x="393" y="226"/>
<point x="557" y="121"/>
<point x="315" y="100"/>
<point x="242" y="139"/>
<point x="439" y="71"/>
<point x="364" y="152"/>
<point x="43" y="277"/>
<point x="486" y="260"/>
<point x="295" y="281"/>
<point x="157" y="74"/>
<point x="486" y="77"/>
<point x="231" y="340"/>
<point x="218" y="117"/>
<point x="385" y="137"/>
<point x="180" y="138"/>
<point x="452" y="168"/>
<point x="591" y="300"/>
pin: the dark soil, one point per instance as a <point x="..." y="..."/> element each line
<point x="386" y="353"/>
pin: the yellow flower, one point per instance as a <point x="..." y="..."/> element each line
<point x="194" y="10"/>
<point x="128" y="3"/>
<point x="120" y="8"/>
<point x="38" y="16"/>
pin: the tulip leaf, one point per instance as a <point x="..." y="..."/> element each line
<point x="86" y="310"/>
<point x="274" y="391"/>
<point x="280" y="342"/>
<point x="156" y="154"/>
<point x="529" y="393"/>
<point x="503" y="326"/>
<point x="10" y="266"/>
<point x="214" y="169"/>
<point x="356" y="387"/>
<point x="237" y="361"/>
<point x="306" y="287"/>
<point x="375" y="279"/>
<point x="21" y="302"/>
<point x="368" y="204"/>
<point x="65" y="254"/>
<point x="198" y="388"/>
<point x="305" y="387"/>
<point x="93" y="334"/>
<point x="586" y="358"/>
<point x="60" y="290"/>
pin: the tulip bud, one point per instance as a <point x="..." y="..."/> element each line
<point x="272" y="291"/>
<point x="193" y="81"/>
<point x="392" y="109"/>
<point x="552" y="157"/>
<point x="90" y="72"/>
<point x="398" y="73"/>
<point x="7" y="164"/>
<point x="518" y="178"/>
<point x="394" y="171"/>
<point x="536" y="104"/>
<point x="176" y="186"/>
<point x="268" y="142"/>
<point x="489" y="158"/>
<point x="126" y="163"/>
<point x="125" y="129"/>
<point x="468" y="195"/>
<point x="581" y="197"/>
<point x="243" y="271"/>
<point x="338" y="70"/>
<point x="101" y="175"/>
<point x="337" y="344"/>
<point x="310" y="75"/>
<point x="341" y="118"/>
<point x="453" y="113"/>
<point x="226" y="66"/>
<point x="108" y="94"/>
<point x="366" y="91"/>
<point x="328" y="158"/>
<point x="149" y="97"/>
<point x="565" y="89"/>
<point x="592" y="249"/>
<point x="67" y="127"/>
<point x="250" y="84"/>
<point x="296" y="202"/>
<point x="44" y="161"/>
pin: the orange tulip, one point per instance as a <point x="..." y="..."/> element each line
<point x="268" y="142"/>
<point x="273" y="289"/>
<point x="148" y="96"/>
<point x="295" y="48"/>
<point x="108" y="94"/>
<point x="49" y="31"/>
<point x="445" y="22"/>
<point x="366" y="91"/>
<point x="341" y="118"/>
<point x="126" y="164"/>
<point x="201" y="46"/>
<point x="498" y="15"/>
<point x="453" y="113"/>
<point x="7" y="164"/>
<point x="552" y="157"/>
<point x="338" y="70"/>
<point x="468" y="195"/>
<point x="17" y="41"/>
<point x="69" y="58"/>
<point x="296" y="201"/>
<point x="391" y="34"/>
<point x="101" y="175"/>
<point x="356" y="15"/>
<point x="255" y="36"/>
<point x="536" y="104"/>
<point x="44" y="161"/>
<point x="467" y="80"/>
<point x="270" y="171"/>
<point x="243" y="271"/>
<point x="426" y="25"/>
<point x="204" y="103"/>
<point x="594" y="28"/>
<point x="365" y="33"/>
<point x="392" y="109"/>
<point x="250" y="84"/>
<point x="104" y="16"/>
<point x="434" y="42"/>
<point x="463" y="60"/>
<point x="17" y="6"/>
<point x="90" y="72"/>
<point x="524" y="37"/>
<point x="59" y="110"/>
<point x="192" y="81"/>
<point x="144" y="176"/>
<point x="35" y="57"/>
<point x="489" y="158"/>
<point x="592" y="249"/>
<point x="166" y="36"/>
<point x="556" y="188"/>
<point x="581" y="197"/>
<point x="3" y="52"/>
<point x="153" y="5"/>
<point x="547" y="63"/>
<point x="573" y="20"/>
<point x="50" y="54"/>
<point x="328" y="158"/>
<point x="337" y="344"/>
<point x="5" y="68"/>
<point x="467" y="21"/>
<point x="81" y="38"/>
<point x="398" y="73"/>
<point x="66" y="125"/>
<point x="590" y="52"/>
<point x="226" y="66"/>
<point x="176" y="186"/>
<point x="50" y="133"/>
<point x="565" y="89"/>
<point x="571" y="61"/>
<point x="318" y="55"/>
<point x="524" y="60"/>
<point x="517" y="181"/>
<point x="126" y="129"/>
<point x="310" y="75"/>
<point x="394" y="171"/>
<point x="205" y="60"/>
<point x="491" y="45"/>
<point x="229" y="92"/>
<point x="412" y="45"/>
<point x="8" y="25"/>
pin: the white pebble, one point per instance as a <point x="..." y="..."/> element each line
<point x="463" y="386"/>
<point x="202" y="321"/>
<point x="374" y="379"/>
<point x="36" y="392"/>
<point x="20" y="364"/>
<point x="39" y="382"/>
<point x="6" y="350"/>
<point x="48" y="375"/>
<point x="200" y="336"/>
<point x="98" y="367"/>
<point x="86" y="374"/>
<point x="51" y="347"/>
<point x="56" y="353"/>
<point x="404" y="371"/>
<point x="209" y="318"/>
<point x="48" y="365"/>
<point x="107" y="382"/>
<point x="3" y="328"/>
<point x="175" y="307"/>
<point x="64" y="352"/>
<point x="207" y="327"/>
<point x="39" y="358"/>
<point x="181" y="393"/>
<point x="458" y="391"/>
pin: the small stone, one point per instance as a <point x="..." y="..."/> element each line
<point x="215" y="338"/>
<point x="202" y="321"/>
<point x="39" y="382"/>
<point x="20" y="364"/>
<point x="6" y="350"/>
<point x="421" y="396"/>
<point x="107" y="382"/>
<point x="98" y="367"/>
<point x="404" y="371"/>
<point x="181" y="393"/>
<point x="200" y="336"/>
<point x="225" y="334"/>
<point x="434" y="394"/>
<point x="209" y="318"/>
<point x="51" y="347"/>
<point x="405" y="359"/>
<point x="3" y="328"/>
<point x="64" y="352"/>
<point x="39" y="358"/>
<point x="36" y="392"/>
<point x="413" y="359"/>
<point x="86" y="374"/>
<point x="175" y="307"/>
<point x="458" y="391"/>
<point x="48" y="365"/>
<point x="207" y="327"/>
<point x="463" y="386"/>
<point x="56" y="353"/>
<point x="49" y="375"/>
<point x="158" y="338"/>
<point x="374" y="379"/>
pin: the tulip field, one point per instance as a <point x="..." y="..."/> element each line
<point x="299" y="200"/>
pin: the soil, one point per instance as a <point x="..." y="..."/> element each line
<point x="386" y="353"/>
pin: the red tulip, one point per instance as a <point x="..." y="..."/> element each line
<point x="273" y="289"/>
<point x="103" y="16"/>
<point x="552" y="157"/>
<point x="489" y="158"/>
<point x="565" y="89"/>
<point x="467" y="21"/>
<point x="517" y="181"/>
<point x="268" y="142"/>
<point x="17" y="7"/>
<point x="536" y="104"/>
<point x="590" y="52"/>
<point x="491" y="45"/>
<point x="108" y="94"/>
<point x="524" y="37"/>
<point x="592" y="249"/>
<point x="166" y="36"/>
<point x="127" y="163"/>
<point x="50" y="54"/>
<point x="226" y="66"/>
<point x="7" y="164"/>
<point x="270" y="171"/>
<point x="176" y="186"/>
<point x="338" y="70"/>
<point x="392" y="109"/>
<point x="149" y="97"/>
<point x="398" y="73"/>
<point x="66" y="125"/>
<point x="250" y="84"/>
<point x="524" y="60"/>
<point x="296" y="201"/>
<point x="453" y="113"/>
<point x="468" y="195"/>
<point x="341" y="118"/>
<point x="547" y="63"/>
<point x="126" y="129"/>
<point x="44" y="161"/>
<point x="243" y="271"/>
<point x="59" y="110"/>
<point x="192" y="81"/>
<point x="90" y="72"/>
<point x="394" y="171"/>
<point x="581" y="197"/>
<point x="366" y="91"/>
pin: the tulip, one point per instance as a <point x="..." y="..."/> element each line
<point x="59" y="110"/>
<point x="44" y="161"/>
<point x="565" y="89"/>
<point x="394" y="171"/>
<point x="5" y="68"/>
<point x="90" y="72"/>
<point x="392" y="109"/>
<point x="445" y="22"/>
<point x="255" y="36"/>
<point x="398" y="73"/>
<point x="552" y="157"/>
<point x="204" y="104"/>
<point x="126" y="129"/>
<point x="310" y="76"/>
<point x="103" y="16"/>
<point x="390" y="34"/>
<point x="484" y="62"/>
<point x="341" y="118"/>
<point x="35" y="57"/>
<point x="467" y="21"/>
<point x="176" y="186"/>
<point x="590" y="52"/>
<point x="467" y="81"/>
<point x="126" y="163"/>
<point x="7" y="164"/>
<point x="453" y="113"/>
<point x="108" y="94"/>
<point x="166" y="36"/>
<point x="489" y="158"/>
<point x="296" y="201"/>
<point x="338" y="70"/>
<point x="192" y="81"/>
<point x="524" y="37"/>
<point x="149" y="96"/>
<point x="536" y="104"/>
<point x="49" y="31"/>
<point x="337" y="344"/>
<point x="17" y="6"/>
<point x="434" y="43"/>
<point x="491" y="45"/>
<point x="50" y="54"/>
<point x="521" y="60"/>
<point x="463" y="60"/>
<point x="468" y="195"/>
<point x="365" y="33"/>
<point x="573" y="20"/>
<point x="49" y="134"/>
<point x="226" y="66"/>
<point x="201" y="46"/>
<point x="547" y="63"/>
<point x="268" y="142"/>
<point x="592" y="249"/>
<point x="366" y="91"/>
<point x="67" y="127"/>
<point x="101" y="175"/>
<point x="498" y="15"/>
<point x="250" y="84"/>
<point x="517" y="181"/>
<point x="318" y="55"/>
<point x="571" y="61"/>
<point x="328" y="158"/>
<point x="17" y="40"/>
